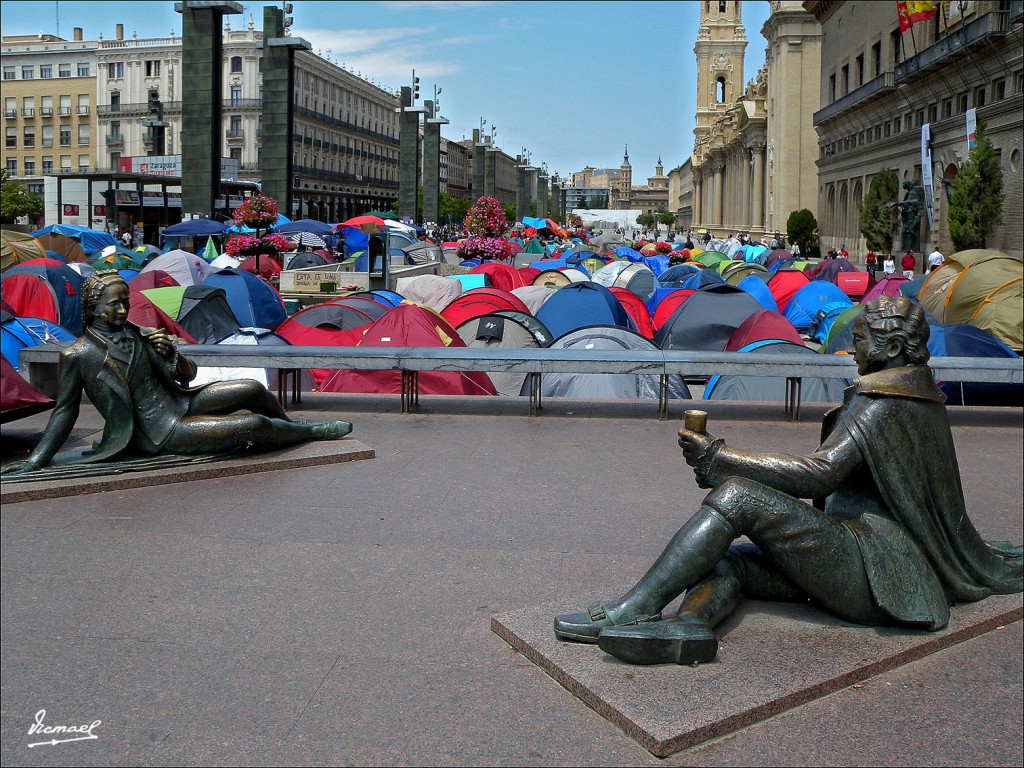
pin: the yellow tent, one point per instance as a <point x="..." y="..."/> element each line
<point x="16" y="247"/>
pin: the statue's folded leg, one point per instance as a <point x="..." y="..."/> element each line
<point x="212" y="434"/>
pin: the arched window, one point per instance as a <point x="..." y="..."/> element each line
<point x="720" y="90"/>
<point x="236" y="63"/>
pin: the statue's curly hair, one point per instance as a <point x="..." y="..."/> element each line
<point x="93" y="288"/>
<point x="897" y="317"/>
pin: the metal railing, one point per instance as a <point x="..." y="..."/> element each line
<point x="989" y="25"/>
<point x="884" y="83"/>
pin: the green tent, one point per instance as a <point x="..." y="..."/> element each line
<point x="534" y="247"/>
<point x="388" y="215"/>
<point x="167" y="299"/>
<point x="710" y="258"/>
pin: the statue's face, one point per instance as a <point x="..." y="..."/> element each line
<point x="112" y="308"/>
<point x="871" y="355"/>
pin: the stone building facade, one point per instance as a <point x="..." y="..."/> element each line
<point x="880" y="87"/>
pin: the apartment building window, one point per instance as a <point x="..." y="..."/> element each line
<point x="876" y="59"/>
<point x="28" y="137"/>
<point x="46" y="106"/>
<point x="65" y="135"/>
<point x="236" y="64"/>
<point x="897" y="124"/>
<point x="236" y="95"/>
<point x="961" y="102"/>
<point x="28" y="106"/>
<point x="46" y="139"/>
<point x="1018" y="82"/>
<point x="12" y="166"/>
<point x="115" y="129"/>
<point x="83" y="69"/>
<point x="65" y="163"/>
<point x="10" y="73"/>
<point x="115" y="101"/>
<point x="115" y="159"/>
<point x="896" y="43"/>
<point x="236" y="153"/>
<point x="28" y="73"/>
<point x="999" y="90"/>
<point x="859" y="71"/>
<point x="63" y="70"/>
<point x="153" y="68"/>
<point x="45" y="71"/>
<point x="30" y="166"/>
<point x="83" y="134"/>
<point x="11" y="139"/>
<point x="878" y="133"/>
<point x="259" y="65"/>
<point x="831" y="88"/>
<point x="83" y="103"/>
<point x="933" y="113"/>
<point x="235" y="126"/>
<point x="47" y="164"/>
<point x="10" y="106"/>
<point x="115" y="70"/>
<point x="979" y="97"/>
<point x="83" y="162"/>
<point x="65" y="106"/>
<point x="947" y="108"/>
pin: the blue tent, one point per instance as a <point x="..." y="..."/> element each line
<point x="305" y="225"/>
<point x="959" y="340"/>
<point x="387" y="298"/>
<point x="758" y="288"/>
<point x="657" y="264"/>
<point x="656" y="297"/>
<point x="17" y="333"/>
<point x="823" y="319"/>
<point x="702" y="278"/>
<point x="90" y="240"/>
<point x="581" y="304"/>
<point x="253" y="301"/>
<point x="674" y="276"/>
<point x="805" y="303"/>
<point x="192" y="227"/>
<point x="628" y="253"/>
<point x="355" y="240"/>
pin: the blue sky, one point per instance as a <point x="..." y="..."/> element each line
<point x="573" y="82"/>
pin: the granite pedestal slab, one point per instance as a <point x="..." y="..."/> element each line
<point x="310" y="454"/>
<point x="772" y="657"/>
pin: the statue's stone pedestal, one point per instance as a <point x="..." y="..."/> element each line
<point x="772" y="657"/>
<point x="304" y="455"/>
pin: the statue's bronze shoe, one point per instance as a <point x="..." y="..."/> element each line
<point x="666" y="642"/>
<point x="333" y="430"/>
<point x="585" y="627"/>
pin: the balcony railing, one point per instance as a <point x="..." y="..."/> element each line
<point x="27" y="112"/>
<point x="230" y="104"/>
<point x="63" y="110"/>
<point x="884" y="83"/>
<point x="114" y="139"/>
<point x="10" y="113"/>
<point x="988" y="26"/>
<point x="234" y="134"/>
<point x="83" y="109"/>
<point x="138" y="107"/>
<point x="46" y="111"/>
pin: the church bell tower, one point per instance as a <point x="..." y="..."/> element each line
<point x="721" y="41"/>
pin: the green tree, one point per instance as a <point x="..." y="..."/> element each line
<point x="451" y="209"/>
<point x="16" y="200"/>
<point x="878" y="224"/>
<point x="976" y="198"/>
<point x="584" y="204"/>
<point x="598" y="202"/>
<point x="667" y="218"/>
<point x="802" y="229"/>
<point x="645" y="219"/>
<point x="510" y="211"/>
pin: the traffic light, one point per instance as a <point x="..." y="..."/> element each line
<point x="415" y="87"/>
<point x="154" y="99"/>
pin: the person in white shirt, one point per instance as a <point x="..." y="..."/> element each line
<point x="889" y="264"/>
<point x="935" y="259"/>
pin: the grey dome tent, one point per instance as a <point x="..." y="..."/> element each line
<point x="501" y="331"/>
<point x="773" y="388"/>
<point x="606" y="385"/>
<point x="706" y="320"/>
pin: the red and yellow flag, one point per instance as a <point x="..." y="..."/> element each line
<point x="910" y="12"/>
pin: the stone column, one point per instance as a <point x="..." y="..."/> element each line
<point x="432" y="168"/>
<point x="698" y="190"/>
<point x="757" y="215"/>
<point x="719" y="193"/>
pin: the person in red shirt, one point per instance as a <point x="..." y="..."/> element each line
<point x="870" y="262"/>
<point x="908" y="263"/>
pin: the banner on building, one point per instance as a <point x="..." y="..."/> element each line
<point x="972" y="128"/>
<point x="926" y="168"/>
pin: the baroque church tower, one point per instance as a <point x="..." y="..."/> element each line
<point x="721" y="41"/>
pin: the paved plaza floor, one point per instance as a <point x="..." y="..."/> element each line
<point x="342" y="613"/>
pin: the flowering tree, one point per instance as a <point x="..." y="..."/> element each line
<point x="486" y="218"/>
<point x="259" y="213"/>
<point x="242" y="246"/>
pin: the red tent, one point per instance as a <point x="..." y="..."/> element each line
<point x="760" y="326"/>
<point x="154" y="278"/>
<point x="784" y="283"/>
<point x="18" y="398"/>
<point x="410" y="325"/>
<point x="145" y="313"/>
<point x="31" y="296"/>
<point x="528" y="274"/>
<point x="636" y="310"/>
<point x="268" y="266"/>
<point x="503" y="276"/>
<point x="854" y="284"/>
<point x="481" y="301"/>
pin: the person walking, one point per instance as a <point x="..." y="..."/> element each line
<point x="935" y="259"/>
<point x="908" y="264"/>
<point x="889" y="264"/>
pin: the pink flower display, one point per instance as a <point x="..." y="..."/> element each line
<point x="484" y="248"/>
<point x="485" y="217"/>
<point x="257" y="212"/>
<point x="241" y="246"/>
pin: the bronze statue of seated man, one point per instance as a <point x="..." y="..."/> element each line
<point x="137" y="380"/>
<point x="886" y="541"/>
